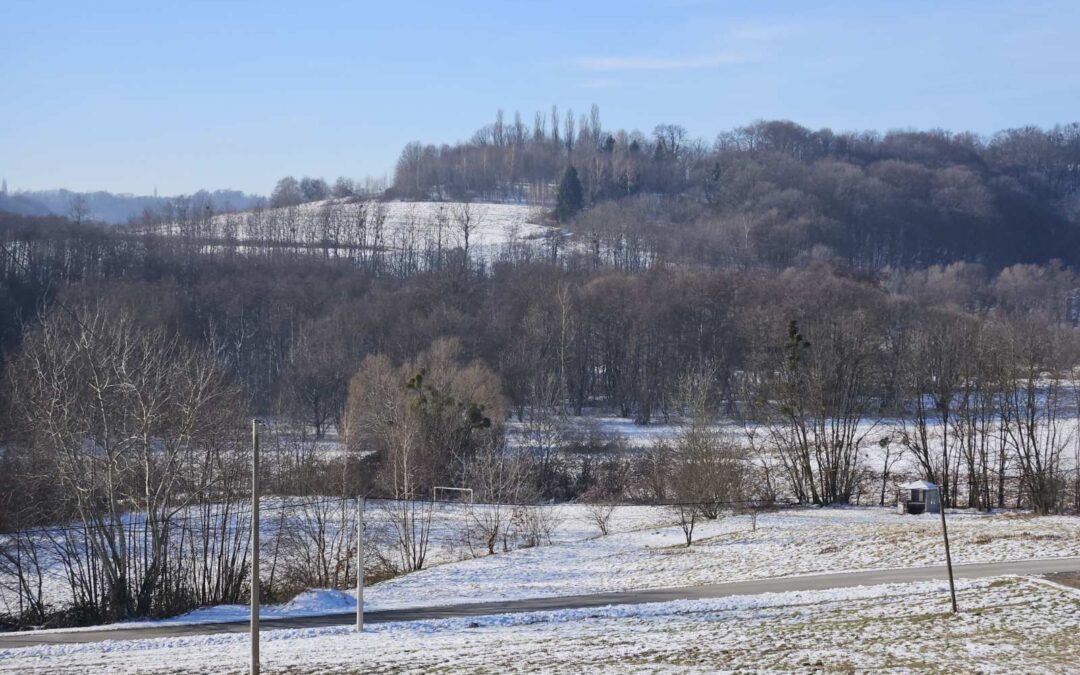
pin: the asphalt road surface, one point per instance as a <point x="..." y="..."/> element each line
<point x="774" y="585"/>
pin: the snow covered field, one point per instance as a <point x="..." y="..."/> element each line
<point x="643" y="554"/>
<point x="574" y="527"/>
<point x="803" y="541"/>
<point x="1008" y="625"/>
<point x="570" y="523"/>
<point x="645" y="550"/>
<point x="492" y="224"/>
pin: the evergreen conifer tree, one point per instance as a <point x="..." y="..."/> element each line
<point x="570" y="197"/>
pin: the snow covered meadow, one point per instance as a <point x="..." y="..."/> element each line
<point x="1009" y="625"/>
<point x="791" y="542"/>
<point x="297" y="530"/>
<point x="336" y="223"/>
<point x="645" y="550"/>
<point x="902" y="627"/>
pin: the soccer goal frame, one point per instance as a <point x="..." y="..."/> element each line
<point x="461" y="491"/>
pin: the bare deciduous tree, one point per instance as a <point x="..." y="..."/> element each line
<point x="422" y="420"/>
<point x="140" y="429"/>
<point x="500" y="480"/>
<point x="815" y="404"/>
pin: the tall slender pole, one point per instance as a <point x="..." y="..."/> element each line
<point x="948" y="554"/>
<point x="254" y="548"/>
<point x="360" y="563"/>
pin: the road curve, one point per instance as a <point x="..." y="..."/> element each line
<point x="813" y="582"/>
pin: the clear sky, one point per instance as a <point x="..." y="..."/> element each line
<point x="126" y="96"/>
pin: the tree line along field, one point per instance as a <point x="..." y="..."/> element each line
<point x="749" y="285"/>
<point x="358" y="228"/>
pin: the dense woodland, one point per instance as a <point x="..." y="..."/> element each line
<point x="773" y="192"/>
<point x="799" y="284"/>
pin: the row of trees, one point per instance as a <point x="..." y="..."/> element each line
<point x="292" y="328"/>
<point x="507" y="160"/>
<point x="770" y="192"/>
<point x="986" y="407"/>
<point x="292" y="192"/>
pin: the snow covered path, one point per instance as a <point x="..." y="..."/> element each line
<point x="813" y="582"/>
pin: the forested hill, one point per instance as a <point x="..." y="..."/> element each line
<point x="774" y="192"/>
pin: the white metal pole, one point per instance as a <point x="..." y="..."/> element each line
<point x="360" y="504"/>
<point x="254" y="548"/>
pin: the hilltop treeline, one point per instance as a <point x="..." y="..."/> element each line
<point x="773" y="192"/>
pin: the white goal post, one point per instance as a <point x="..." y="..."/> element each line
<point x="467" y="493"/>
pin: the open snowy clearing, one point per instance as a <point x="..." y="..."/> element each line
<point x="492" y="223"/>
<point x="1007" y="625"/>
<point x="802" y="541"/>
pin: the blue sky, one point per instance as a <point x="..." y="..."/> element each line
<point x="126" y="96"/>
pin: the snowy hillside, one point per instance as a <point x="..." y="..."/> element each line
<point x="374" y="224"/>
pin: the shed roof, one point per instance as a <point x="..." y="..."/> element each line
<point x="919" y="485"/>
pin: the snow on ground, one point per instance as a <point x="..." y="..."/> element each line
<point x="570" y="523"/>
<point x="493" y="223"/>
<point x="1007" y="625"/>
<point x="803" y="541"/>
<point x="625" y="433"/>
<point x="645" y="550"/>
<point x="574" y="527"/>
<point x="642" y="555"/>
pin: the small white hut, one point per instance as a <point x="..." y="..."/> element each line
<point x="917" y="497"/>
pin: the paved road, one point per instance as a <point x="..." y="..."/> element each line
<point x="775" y="585"/>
